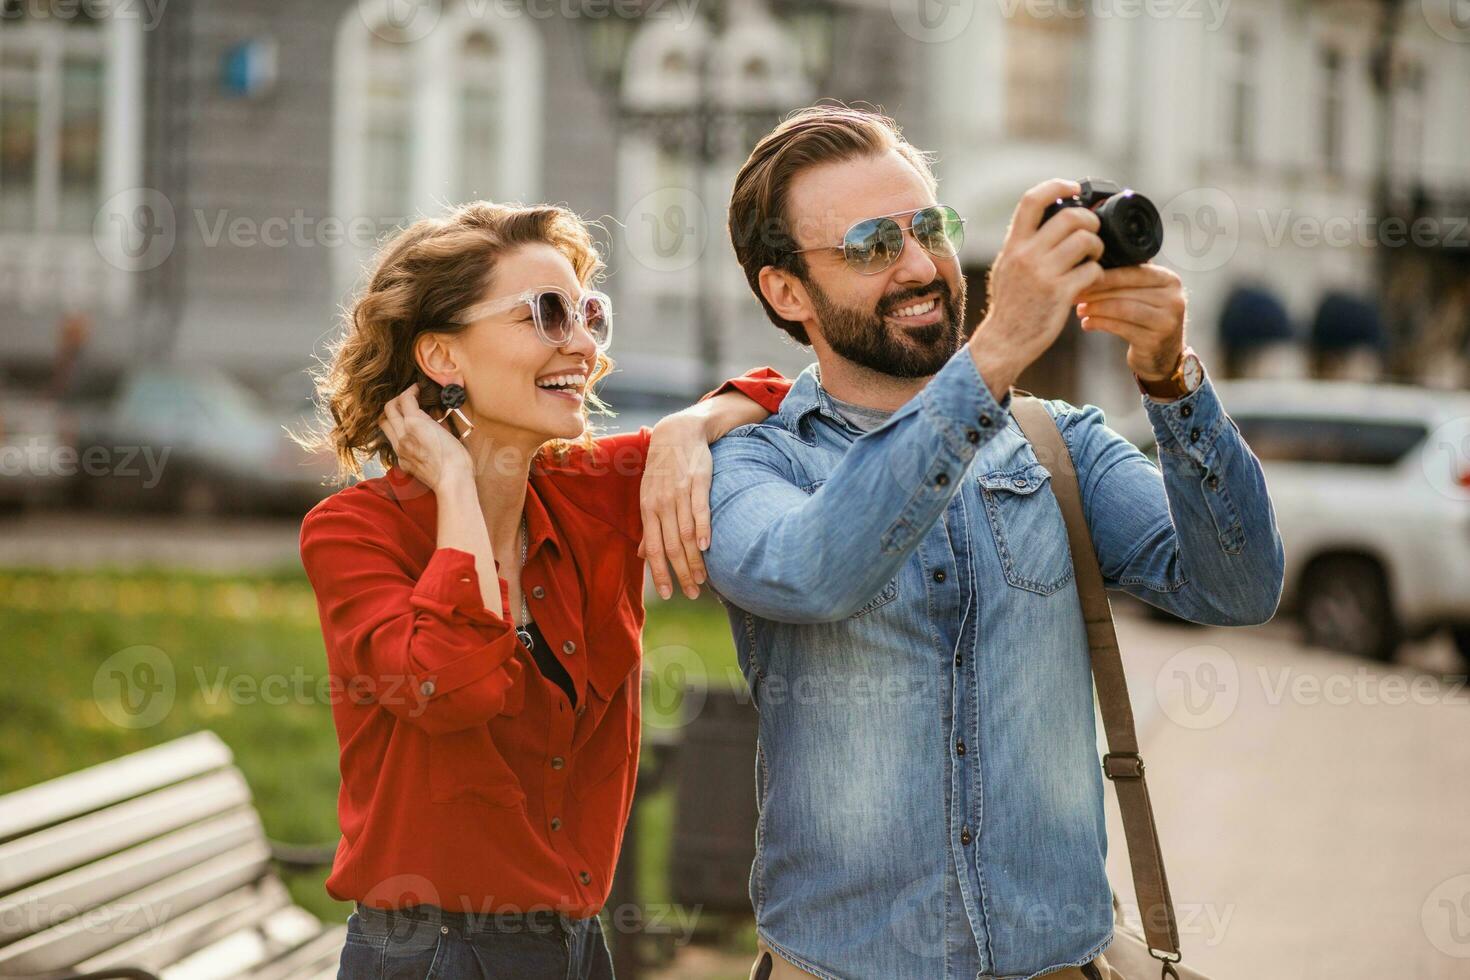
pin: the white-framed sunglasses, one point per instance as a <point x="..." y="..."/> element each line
<point x="555" y="313"/>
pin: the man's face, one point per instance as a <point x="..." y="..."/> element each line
<point x="905" y="321"/>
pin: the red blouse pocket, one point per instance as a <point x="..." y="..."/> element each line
<point x="469" y="766"/>
<point x="610" y="728"/>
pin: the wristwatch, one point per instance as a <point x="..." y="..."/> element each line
<point x="1188" y="375"/>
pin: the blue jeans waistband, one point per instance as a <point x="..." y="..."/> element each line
<point x="543" y="921"/>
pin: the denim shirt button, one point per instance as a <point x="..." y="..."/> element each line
<point x="1020" y="481"/>
<point x="1186" y="410"/>
<point x="939" y="575"/>
<point x="942" y="480"/>
<point x="959" y="747"/>
<point x="985" y="420"/>
<point x="1194" y="435"/>
<point x="959" y="660"/>
<point x="1213" y="482"/>
<point x="965" y="837"/>
<point x="972" y="436"/>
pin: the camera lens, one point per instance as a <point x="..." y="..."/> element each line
<point x="1132" y="231"/>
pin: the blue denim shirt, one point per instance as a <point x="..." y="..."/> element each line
<point x="903" y="605"/>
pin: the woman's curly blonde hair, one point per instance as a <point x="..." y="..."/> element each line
<point x="424" y="276"/>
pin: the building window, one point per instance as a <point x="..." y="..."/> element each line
<point x="1046" y="72"/>
<point x="1242" y="63"/>
<point x="1408" y="121"/>
<point x="51" y="98"/>
<point x="1330" y="110"/>
<point x="387" y="111"/>
<point x="422" y="122"/>
<point x="481" y="140"/>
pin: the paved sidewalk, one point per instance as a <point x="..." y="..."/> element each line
<point x="85" y="540"/>
<point x="1314" y="810"/>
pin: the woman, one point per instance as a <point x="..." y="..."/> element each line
<point x="481" y="603"/>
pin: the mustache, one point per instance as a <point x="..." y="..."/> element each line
<point x="893" y="301"/>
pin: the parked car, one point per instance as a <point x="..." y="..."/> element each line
<point x="1371" y="487"/>
<point x="195" y="440"/>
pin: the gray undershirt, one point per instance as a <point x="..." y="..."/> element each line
<point x="859" y="416"/>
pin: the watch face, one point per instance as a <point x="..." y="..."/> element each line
<point x="1193" y="372"/>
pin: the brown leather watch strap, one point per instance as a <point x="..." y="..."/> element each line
<point x="1122" y="765"/>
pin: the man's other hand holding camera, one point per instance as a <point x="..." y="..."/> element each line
<point x="1046" y="266"/>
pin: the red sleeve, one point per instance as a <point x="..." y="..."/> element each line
<point x="607" y="479"/>
<point x="763" y="385"/>
<point x="427" y="650"/>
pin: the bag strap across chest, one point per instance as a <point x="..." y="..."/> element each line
<point x="1122" y="764"/>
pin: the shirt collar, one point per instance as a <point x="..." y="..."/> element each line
<point x="419" y="503"/>
<point x="805" y="397"/>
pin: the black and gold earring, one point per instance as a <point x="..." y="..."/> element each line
<point x="451" y="396"/>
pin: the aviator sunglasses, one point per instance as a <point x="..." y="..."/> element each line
<point x="555" y="314"/>
<point x="873" y="244"/>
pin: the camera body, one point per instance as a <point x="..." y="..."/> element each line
<point x="1132" y="231"/>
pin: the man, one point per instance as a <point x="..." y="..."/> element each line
<point x="897" y="574"/>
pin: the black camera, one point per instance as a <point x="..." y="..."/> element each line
<point x="1132" y="231"/>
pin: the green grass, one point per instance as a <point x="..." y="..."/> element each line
<point x="66" y="634"/>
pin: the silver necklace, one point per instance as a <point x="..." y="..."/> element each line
<point x="521" y="631"/>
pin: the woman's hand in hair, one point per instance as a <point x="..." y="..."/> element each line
<point x="426" y="449"/>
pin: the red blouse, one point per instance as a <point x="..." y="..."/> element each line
<point x="468" y="779"/>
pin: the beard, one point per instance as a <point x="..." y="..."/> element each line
<point x="865" y="337"/>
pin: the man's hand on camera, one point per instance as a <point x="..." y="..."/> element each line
<point x="1040" y="272"/>
<point x="1145" y="305"/>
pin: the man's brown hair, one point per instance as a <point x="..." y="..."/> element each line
<point x="760" y="227"/>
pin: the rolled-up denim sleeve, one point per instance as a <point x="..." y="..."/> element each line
<point x="801" y="554"/>
<point x="1195" y="535"/>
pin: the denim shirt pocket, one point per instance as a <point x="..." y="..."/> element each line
<point x="1030" y="534"/>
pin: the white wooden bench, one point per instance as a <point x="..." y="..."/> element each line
<point x="154" y="865"/>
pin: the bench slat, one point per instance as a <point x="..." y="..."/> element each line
<point x="52" y="901"/>
<point x="68" y="845"/>
<point x="196" y="928"/>
<point x="140" y="918"/>
<point x="27" y="810"/>
<point x="325" y="948"/>
<point x="284" y="930"/>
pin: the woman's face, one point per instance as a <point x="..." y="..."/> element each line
<point x="506" y="364"/>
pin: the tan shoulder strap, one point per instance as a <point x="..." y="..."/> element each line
<point x="1122" y="764"/>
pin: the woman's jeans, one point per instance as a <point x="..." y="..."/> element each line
<point x="425" y="942"/>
